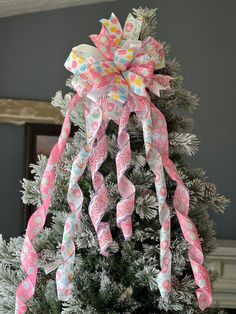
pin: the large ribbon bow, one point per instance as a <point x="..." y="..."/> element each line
<point x="114" y="77"/>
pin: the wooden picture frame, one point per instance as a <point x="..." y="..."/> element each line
<point x="19" y="112"/>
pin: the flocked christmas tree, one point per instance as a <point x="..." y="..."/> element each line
<point x="125" y="281"/>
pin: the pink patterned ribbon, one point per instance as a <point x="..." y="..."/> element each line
<point x="114" y="77"/>
<point x="64" y="274"/>
<point x="181" y="206"/>
<point x="29" y="257"/>
<point x="157" y="151"/>
<point x="125" y="206"/>
<point x="151" y="131"/>
<point x="99" y="201"/>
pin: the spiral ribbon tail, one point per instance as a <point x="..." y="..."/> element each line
<point x="65" y="272"/>
<point x="29" y="257"/>
<point x="155" y="163"/>
<point x="181" y="206"/>
<point x="164" y="276"/>
<point x="125" y="206"/>
<point x="196" y="258"/>
<point x="99" y="201"/>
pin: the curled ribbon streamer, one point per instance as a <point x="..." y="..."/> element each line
<point x="125" y="206"/>
<point x="99" y="201"/>
<point x="64" y="274"/>
<point x="114" y="76"/>
<point x="154" y="160"/>
<point x="29" y="257"/>
<point x="157" y="151"/>
<point x="181" y="206"/>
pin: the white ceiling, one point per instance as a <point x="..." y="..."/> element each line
<point x="16" y="7"/>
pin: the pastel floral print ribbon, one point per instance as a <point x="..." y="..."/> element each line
<point x="114" y="76"/>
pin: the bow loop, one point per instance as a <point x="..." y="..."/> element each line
<point x="105" y="43"/>
<point x="132" y="27"/>
<point x="155" y="50"/>
<point x="113" y="27"/>
<point x="81" y="57"/>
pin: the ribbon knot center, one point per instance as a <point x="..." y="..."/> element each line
<point x="122" y="58"/>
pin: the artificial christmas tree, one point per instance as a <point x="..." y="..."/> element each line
<point x="122" y="237"/>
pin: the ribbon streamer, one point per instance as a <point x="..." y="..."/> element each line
<point x="99" y="201"/>
<point x="29" y="257"/>
<point x="125" y="206"/>
<point x="181" y="206"/>
<point x="64" y="274"/>
<point x="154" y="159"/>
<point x="157" y="151"/>
<point x="114" y="76"/>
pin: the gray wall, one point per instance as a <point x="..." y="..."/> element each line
<point x="202" y="34"/>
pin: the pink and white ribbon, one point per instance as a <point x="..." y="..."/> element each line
<point x="153" y="154"/>
<point x="125" y="206"/>
<point x="181" y="206"/>
<point x="29" y="257"/>
<point x="157" y="151"/>
<point x="114" y="77"/>
<point x="99" y="201"/>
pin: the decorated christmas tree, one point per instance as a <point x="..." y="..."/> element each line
<point x="128" y="224"/>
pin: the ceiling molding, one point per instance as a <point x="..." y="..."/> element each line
<point x="17" y="7"/>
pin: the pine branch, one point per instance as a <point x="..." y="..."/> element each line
<point x="149" y="19"/>
<point x="146" y="206"/>
<point x="214" y="199"/>
<point x="10" y="252"/>
<point x="151" y="251"/>
<point x="31" y="191"/>
<point x="148" y="276"/>
<point x="183" y="143"/>
<point x="77" y="114"/>
<point x="9" y="279"/>
<point x="176" y="98"/>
